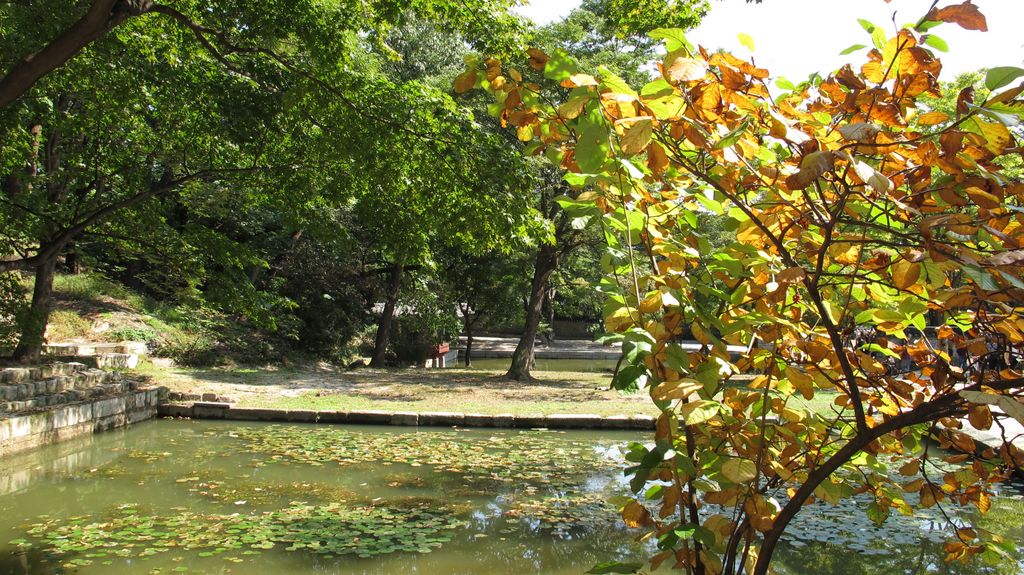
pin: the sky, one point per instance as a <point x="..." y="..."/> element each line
<point x="793" y="38"/>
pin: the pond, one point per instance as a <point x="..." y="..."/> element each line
<point x="218" y="497"/>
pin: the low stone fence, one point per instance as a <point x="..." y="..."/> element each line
<point x="21" y="432"/>
<point x="212" y="410"/>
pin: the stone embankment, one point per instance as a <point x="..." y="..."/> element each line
<point x="49" y="403"/>
<point x="221" y="410"/>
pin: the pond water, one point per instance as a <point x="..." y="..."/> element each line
<point x="218" y="497"/>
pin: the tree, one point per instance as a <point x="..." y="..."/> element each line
<point x="55" y="34"/>
<point x="599" y="31"/>
<point x="855" y="210"/>
<point x="251" y="96"/>
<point x="466" y="190"/>
<point x="484" y="288"/>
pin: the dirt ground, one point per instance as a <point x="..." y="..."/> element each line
<point x="453" y="389"/>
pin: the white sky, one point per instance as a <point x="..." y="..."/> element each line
<point x="794" y="38"/>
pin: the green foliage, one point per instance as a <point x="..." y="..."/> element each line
<point x="13" y="303"/>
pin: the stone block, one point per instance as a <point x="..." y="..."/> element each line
<point x="209" y="410"/>
<point x="506" y="420"/>
<point x="617" y="422"/>
<point x="252" y="414"/>
<point x="581" y="421"/>
<point x="530" y="421"/>
<point x="300" y="415"/>
<point x="141" y="414"/>
<point x="369" y="417"/>
<point x="212" y="397"/>
<point x="8" y="392"/>
<point x="405" y="418"/>
<point x="442" y="419"/>
<point x="14" y="375"/>
<point x="333" y="417"/>
<point x="72" y="415"/>
<point x="175" y="410"/>
<point x="644" y="422"/>
<point x="109" y="407"/>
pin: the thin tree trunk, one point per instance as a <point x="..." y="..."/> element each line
<point x="468" y="362"/>
<point x="33" y="329"/>
<point x="380" y="344"/>
<point x="522" y="358"/>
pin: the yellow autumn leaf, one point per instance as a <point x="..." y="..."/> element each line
<point x="739" y="470"/>
<point x="803" y="382"/>
<point x="905" y="274"/>
<point x="637" y="137"/>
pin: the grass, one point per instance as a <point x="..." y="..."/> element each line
<point x="422" y="390"/>
<point x="66" y="325"/>
<point x="415" y="390"/>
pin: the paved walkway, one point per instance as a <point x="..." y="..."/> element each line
<point x="486" y="346"/>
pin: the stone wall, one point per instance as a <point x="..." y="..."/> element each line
<point x="21" y="432"/>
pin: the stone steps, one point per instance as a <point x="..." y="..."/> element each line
<point x="24" y="389"/>
<point x="123" y="355"/>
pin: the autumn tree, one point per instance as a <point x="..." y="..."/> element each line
<point x="858" y="213"/>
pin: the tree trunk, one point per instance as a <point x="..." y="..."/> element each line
<point x="380" y="344"/>
<point x="522" y="358"/>
<point x="72" y="262"/>
<point x="468" y="360"/>
<point x="549" y="313"/>
<point x="33" y="328"/>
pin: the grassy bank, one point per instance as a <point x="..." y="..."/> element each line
<point x="419" y="390"/>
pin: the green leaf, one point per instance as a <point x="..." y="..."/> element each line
<point x="747" y="41"/>
<point x="785" y="84"/>
<point x="560" y="66"/>
<point x="614" y="83"/>
<point x="999" y="77"/>
<point x="674" y="38"/>
<point x="630" y="378"/>
<point x="592" y="147"/>
<point x="699" y="411"/>
<point x="733" y="136"/>
<point x="852" y="49"/>
<point x="615" y="567"/>
<point x="937" y="43"/>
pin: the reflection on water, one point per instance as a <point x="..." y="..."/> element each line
<point x="216" y="497"/>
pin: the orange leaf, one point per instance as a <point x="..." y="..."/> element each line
<point x="687" y="70"/>
<point x="905" y="274"/>
<point x="966" y="15"/>
<point x="465" y="81"/>
<point x="538" y="59"/>
<point x="932" y="118"/>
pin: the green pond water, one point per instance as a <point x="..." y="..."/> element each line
<point x="219" y="497"/>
